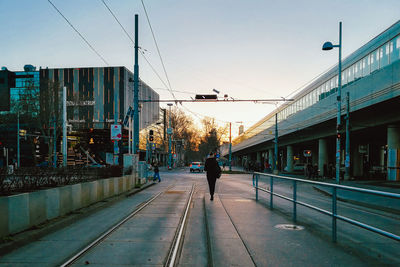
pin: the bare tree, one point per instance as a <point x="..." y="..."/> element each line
<point x="212" y="136"/>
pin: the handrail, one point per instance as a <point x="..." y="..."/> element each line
<point x="332" y="213"/>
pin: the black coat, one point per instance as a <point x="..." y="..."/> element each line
<point x="212" y="168"/>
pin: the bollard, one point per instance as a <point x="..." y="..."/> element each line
<point x="256" y="187"/>
<point x="271" y="199"/>
<point x="334" y="211"/>
<point x="294" y="201"/>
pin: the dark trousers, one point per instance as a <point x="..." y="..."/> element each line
<point x="211" y="184"/>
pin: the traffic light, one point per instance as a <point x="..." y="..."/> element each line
<point x="151" y="136"/>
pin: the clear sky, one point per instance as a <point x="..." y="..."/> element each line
<point x="248" y="49"/>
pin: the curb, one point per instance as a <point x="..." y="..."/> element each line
<point x="359" y="203"/>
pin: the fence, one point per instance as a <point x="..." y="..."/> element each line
<point x="333" y="212"/>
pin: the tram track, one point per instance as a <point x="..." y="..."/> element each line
<point x="173" y="253"/>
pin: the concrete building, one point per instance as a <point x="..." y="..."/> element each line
<point x="371" y="78"/>
<point x="98" y="97"/>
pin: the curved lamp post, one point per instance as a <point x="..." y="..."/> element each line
<point x="329" y="46"/>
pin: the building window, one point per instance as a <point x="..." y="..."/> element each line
<point x="395" y="49"/>
<point x="375" y="60"/>
<point x="366" y="65"/>
<point x="384" y="54"/>
<point x="350" y="73"/>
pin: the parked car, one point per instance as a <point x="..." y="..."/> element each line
<point x="196" y="166"/>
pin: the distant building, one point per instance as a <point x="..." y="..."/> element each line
<point x="25" y="87"/>
<point x="96" y="97"/>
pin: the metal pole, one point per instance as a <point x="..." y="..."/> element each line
<point x="276" y="145"/>
<point x="334" y="212"/>
<point x="294" y="201"/>
<point x="347" y="159"/>
<point x="339" y="107"/>
<point x="257" y="175"/>
<point x="271" y="196"/>
<point x="7" y="159"/>
<point x="18" y="149"/>
<point x="64" y="147"/>
<point x="55" y="143"/>
<point x="129" y="135"/>
<point x="230" y="146"/>
<point x="136" y="90"/>
<point x="169" y="141"/>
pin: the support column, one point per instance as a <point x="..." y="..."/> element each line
<point x="271" y="157"/>
<point x="322" y="157"/>
<point x="258" y="157"/>
<point x="289" y="158"/>
<point x="393" y="161"/>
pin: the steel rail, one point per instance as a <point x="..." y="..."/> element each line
<point x="173" y="256"/>
<point x="112" y="229"/>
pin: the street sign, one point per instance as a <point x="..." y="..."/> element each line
<point x="153" y="146"/>
<point x="174" y="155"/>
<point x="169" y="131"/>
<point x="116" y="133"/>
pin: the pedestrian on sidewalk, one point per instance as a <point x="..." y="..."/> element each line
<point x="213" y="172"/>
<point x="156" y="173"/>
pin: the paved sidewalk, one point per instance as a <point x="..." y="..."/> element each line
<point x="250" y="235"/>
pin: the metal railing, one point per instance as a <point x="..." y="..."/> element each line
<point x="333" y="212"/>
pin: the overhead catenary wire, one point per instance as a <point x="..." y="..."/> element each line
<point x="158" y="50"/>
<point x="76" y="30"/>
<point x="130" y="38"/>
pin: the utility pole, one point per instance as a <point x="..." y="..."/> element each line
<point x="347" y="159"/>
<point x="230" y="146"/>
<point x="18" y="148"/>
<point x="136" y="90"/>
<point x="339" y="106"/>
<point x="169" y="132"/>
<point x="64" y="127"/>
<point x="276" y="145"/>
<point x="54" y="142"/>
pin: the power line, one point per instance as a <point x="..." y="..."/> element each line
<point x="140" y="50"/>
<point x="158" y="50"/>
<point x="117" y="21"/>
<point x="83" y="38"/>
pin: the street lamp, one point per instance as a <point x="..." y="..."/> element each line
<point x="329" y="46"/>
<point x="169" y="132"/>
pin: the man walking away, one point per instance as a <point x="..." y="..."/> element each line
<point x="213" y="172"/>
<point x="156" y="173"/>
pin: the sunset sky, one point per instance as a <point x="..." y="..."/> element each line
<point x="255" y="49"/>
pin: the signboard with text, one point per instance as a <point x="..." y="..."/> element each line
<point x="116" y="133"/>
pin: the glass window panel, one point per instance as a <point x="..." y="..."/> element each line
<point x="327" y="86"/>
<point x="344" y="77"/>
<point x="358" y="70"/>
<point x="395" y="49"/>
<point x="366" y="66"/>
<point x="334" y="82"/>
<point x="375" y="60"/>
<point x="384" y="55"/>
<point x="350" y="74"/>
